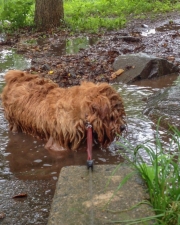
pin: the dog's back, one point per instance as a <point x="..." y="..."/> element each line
<point x="14" y="75"/>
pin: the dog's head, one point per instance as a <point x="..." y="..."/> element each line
<point x="107" y="115"/>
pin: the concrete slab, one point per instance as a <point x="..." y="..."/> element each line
<point x="93" y="198"/>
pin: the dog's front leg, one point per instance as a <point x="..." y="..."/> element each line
<point x="49" y="143"/>
<point x="13" y="128"/>
<point x="53" y="145"/>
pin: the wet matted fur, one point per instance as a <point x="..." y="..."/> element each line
<point x="39" y="107"/>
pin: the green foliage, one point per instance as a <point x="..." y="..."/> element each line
<point x="86" y="15"/>
<point x="16" y="12"/>
<point x="161" y="175"/>
<point x="94" y="15"/>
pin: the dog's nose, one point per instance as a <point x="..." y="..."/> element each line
<point x="122" y="128"/>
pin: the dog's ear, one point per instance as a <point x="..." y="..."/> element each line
<point x="100" y="106"/>
<point x="13" y="75"/>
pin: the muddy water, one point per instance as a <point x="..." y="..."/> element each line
<point x="171" y="26"/>
<point x="59" y="47"/>
<point x="25" y="166"/>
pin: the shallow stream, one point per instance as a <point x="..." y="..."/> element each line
<point x="26" y="167"/>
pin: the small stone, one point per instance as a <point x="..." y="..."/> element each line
<point x="144" y="25"/>
<point x="46" y="67"/>
<point x="2" y="215"/>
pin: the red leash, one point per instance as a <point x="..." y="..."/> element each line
<point x="89" y="146"/>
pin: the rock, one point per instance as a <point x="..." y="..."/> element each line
<point x="142" y="66"/>
<point x="144" y="26"/>
<point x="166" y="104"/>
<point x="46" y="67"/>
<point x="2" y="215"/>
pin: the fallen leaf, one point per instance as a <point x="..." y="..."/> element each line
<point x="51" y="72"/>
<point x="113" y="76"/>
<point x="117" y="73"/>
<point x="21" y="195"/>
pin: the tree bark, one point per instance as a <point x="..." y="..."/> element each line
<point x="48" y="14"/>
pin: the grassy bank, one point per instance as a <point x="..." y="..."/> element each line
<point x="161" y="175"/>
<point x="87" y="15"/>
<point x="93" y="15"/>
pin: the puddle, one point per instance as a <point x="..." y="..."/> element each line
<point x="166" y="27"/>
<point x="59" y="47"/>
<point x="160" y="82"/>
<point x="169" y="27"/>
<point x="73" y="46"/>
<point x="10" y="60"/>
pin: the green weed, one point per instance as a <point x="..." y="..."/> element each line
<point x="161" y="175"/>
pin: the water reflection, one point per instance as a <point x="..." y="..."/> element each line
<point x="177" y="81"/>
<point x="160" y="82"/>
<point x="63" y="46"/>
<point x="9" y="59"/>
<point x="74" y="45"/>
<point x="29" y="160"/>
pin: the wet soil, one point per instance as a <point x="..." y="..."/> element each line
<point x="66" y="59"/>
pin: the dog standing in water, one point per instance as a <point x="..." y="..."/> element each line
<point x="62" y="116"/>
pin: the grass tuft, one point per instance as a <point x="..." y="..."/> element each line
<point x="161" y="175"/>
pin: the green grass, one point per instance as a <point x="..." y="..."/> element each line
<point x="161" y="175"/>
<point x="95" y="15"/>
<point x="89" y="15"/>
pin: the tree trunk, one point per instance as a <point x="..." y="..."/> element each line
<point x="48" y="13"/>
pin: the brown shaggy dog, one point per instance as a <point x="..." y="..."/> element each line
<point x="41" y="108"/>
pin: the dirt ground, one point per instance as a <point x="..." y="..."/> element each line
<point x="159" y="36"/>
